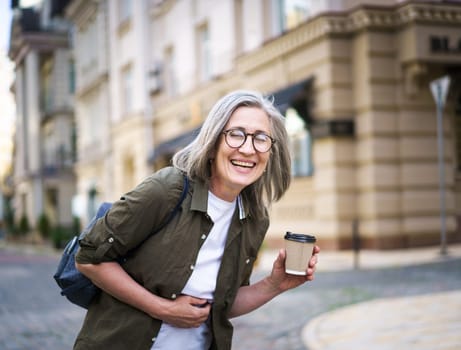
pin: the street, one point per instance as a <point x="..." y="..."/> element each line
<point x="279" y="324"/>
<point x="35" y="316"/>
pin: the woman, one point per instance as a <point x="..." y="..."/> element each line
<point x="178" y="289"/>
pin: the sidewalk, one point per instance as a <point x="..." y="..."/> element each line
<point x="427" y="322"/>
<point x="370" y="259"/>
<point x="423" y="322"/>
<point x="30" y="249"/>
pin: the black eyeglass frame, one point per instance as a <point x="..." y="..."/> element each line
<point x="246" y="134"/>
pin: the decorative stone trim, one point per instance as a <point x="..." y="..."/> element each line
<point x="429" y="13"/>
<point x="348" y="23"/>
<point x="160" y="7"/>
<point x="39" y="41"/>
<point x="82" y="12"/>
<point x="92" y="85"/>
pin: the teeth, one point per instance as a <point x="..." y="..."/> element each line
<point x="243" y="164"/>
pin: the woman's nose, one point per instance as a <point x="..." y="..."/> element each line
<point x="247" y="146"/>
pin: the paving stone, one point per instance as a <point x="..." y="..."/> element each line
<point x="33" y="315"/>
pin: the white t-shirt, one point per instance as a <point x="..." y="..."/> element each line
<point x="202" y="282"/>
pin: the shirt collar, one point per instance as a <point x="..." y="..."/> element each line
<point x="242" y="211"/>
<point x="200" y="200"/>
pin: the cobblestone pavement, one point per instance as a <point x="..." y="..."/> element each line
<point x="423" y="322"/>
<point x="34" y="316"/>
<point x="280" y="323"/>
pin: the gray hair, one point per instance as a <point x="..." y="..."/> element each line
<point x="195" y="158"/>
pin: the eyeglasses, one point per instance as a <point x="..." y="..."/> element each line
<point x="235" y="138"/>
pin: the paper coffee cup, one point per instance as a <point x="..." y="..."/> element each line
<point x="299" y="248"/>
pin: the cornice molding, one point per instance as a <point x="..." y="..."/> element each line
<point x="430" y="13"/>
<point x="82" y="11"/>
<point x="93" y="85"/>
<point x="160" y="7"/>
<point x="348" y="23"/>
<point x="36" y="41"/>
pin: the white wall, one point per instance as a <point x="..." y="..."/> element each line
<point x="253" y="26"/>
<point x="177" y="29"/>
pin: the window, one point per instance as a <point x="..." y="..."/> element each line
<point x="71" y="76"/>
<point x="288" y="14"/>
<point x="128" y="173"/>
<point x="73" y="145"/>
<point x="87" y="56"/>
<point x="239" y="15"/>
<point x="51" y="199"/>
<point x="49" y="148"/>
<point x="170" y="72"/>
<point x="296" y="12"/>
<point x="124" y="10"/>
<point x="203" y="53"/>
<point x="300" y="144"/>
<point x="47" y="98"/>
<point x="92" y="199"/>
<point x="127" y="90"/>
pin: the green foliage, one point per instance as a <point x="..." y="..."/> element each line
<point x="9" y="216"/>
<point x="24" y="226"/>
<point x="60" y="235"/>
<point x="76" y="225"/>
<point x="44" y="226"/>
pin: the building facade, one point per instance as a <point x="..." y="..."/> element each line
<point x="352" y="78"/>
<point x="44" y="181"/>
<point x="113" y="109"/>
<point x="92" y="104"/>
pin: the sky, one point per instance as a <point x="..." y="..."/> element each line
<point x="7" y="106"/>
<point x="5" y="20"/>
<point x="5" y="23"/>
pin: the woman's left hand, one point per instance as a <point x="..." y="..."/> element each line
<point x="283" y="281"/>
<point x="254" y="295"/>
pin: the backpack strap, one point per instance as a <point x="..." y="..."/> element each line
<point x="178" y="205"/>
<point x="167" y="221"/>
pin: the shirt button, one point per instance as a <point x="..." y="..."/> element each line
<point x="111" y="240"/>
<point x="203" y="236"/>
<point x="173" y="296"/>
<point x="154" y="339"/>
<point x="247" y="261"/>
<point x="192" y="267"/>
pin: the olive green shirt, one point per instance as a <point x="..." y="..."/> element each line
<point x="163" y="262"/>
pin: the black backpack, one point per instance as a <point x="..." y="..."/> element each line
<point x="74" y="285"/>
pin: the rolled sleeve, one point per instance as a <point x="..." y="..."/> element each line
<point x="130" y="220"/>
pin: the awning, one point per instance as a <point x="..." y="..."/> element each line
<point x="296" y="96"/>
<point x="171" y="146"/>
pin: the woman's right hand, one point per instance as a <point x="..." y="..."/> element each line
<point x="186" y="312"/>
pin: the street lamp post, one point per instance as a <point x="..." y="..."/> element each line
<point x="439" y="90"/>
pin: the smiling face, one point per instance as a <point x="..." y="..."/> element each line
<point x="235" y="168"/>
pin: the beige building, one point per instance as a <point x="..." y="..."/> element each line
<point x="113" y="108"/>
<point x="353" y="79"/>
<point x="94" y="166"/>
<point x="44" y="141"/>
